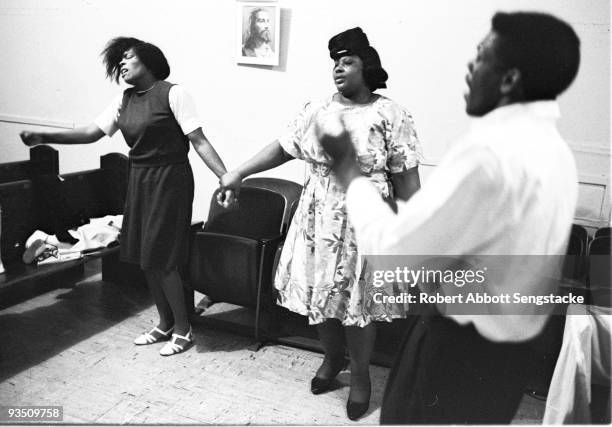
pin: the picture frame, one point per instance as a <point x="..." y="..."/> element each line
<point x="257" y="32"/>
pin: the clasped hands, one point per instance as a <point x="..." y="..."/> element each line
<point x="229" y="185"/>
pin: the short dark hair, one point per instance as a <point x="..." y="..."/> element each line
<point x="545" y="49"/>
<point x="149" y="54"/>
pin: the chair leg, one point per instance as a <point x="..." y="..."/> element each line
<point x="257" y="313"/>
<point x="259" y="291"/>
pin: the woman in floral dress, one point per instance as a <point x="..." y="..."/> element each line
<point x="319" y="270"/>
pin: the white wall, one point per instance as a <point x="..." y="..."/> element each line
<point x="52" y="72"/>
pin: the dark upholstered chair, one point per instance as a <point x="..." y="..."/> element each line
<point x="232" y="257"/>
<point x="599" y="271"/>
<point x="290" y="191"/>
<point x="583" y="235"/>
<point x="574" y="267"/>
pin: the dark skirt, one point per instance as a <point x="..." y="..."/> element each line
<point x="157" y="217"/>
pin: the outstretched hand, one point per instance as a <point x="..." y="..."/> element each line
<point x="31" y="139"/>
<point x="336" y="141"/>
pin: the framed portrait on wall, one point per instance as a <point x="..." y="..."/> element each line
<point x="258" y="32"/>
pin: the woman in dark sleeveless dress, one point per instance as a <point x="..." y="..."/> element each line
<point x="157" y="120"/>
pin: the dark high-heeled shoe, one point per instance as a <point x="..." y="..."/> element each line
<point x="355" y="410"/>
<point x="321" y="385"/>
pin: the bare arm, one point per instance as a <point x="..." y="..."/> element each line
<point x="406" y="183"/>
<point x="269" y="157"/>
<point x="207" y="152"/>
<point x="81" y="135"/>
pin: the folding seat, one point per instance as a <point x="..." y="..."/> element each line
<point x="232" y="257"/>
<point x="290" y="190"/>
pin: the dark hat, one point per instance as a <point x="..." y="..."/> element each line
<point x="347" y="43"/>
<point x="355" y="42"/>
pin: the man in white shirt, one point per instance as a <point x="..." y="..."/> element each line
<point x="509" y="187"/>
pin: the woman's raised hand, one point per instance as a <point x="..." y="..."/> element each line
<point x="31" y="139"/>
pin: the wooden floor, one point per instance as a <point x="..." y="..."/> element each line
<point x="72" y="346"/>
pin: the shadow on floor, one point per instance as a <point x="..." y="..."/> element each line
<point x="285" y="327"/>
<point x="52" y="322"/>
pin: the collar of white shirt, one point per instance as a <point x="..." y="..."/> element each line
<point x="543" y="110"/>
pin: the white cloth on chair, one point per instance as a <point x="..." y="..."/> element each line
<point x="98" y="233"/>
<point x="584" y="360"/>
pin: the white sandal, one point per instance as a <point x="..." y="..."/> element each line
<point x="148" y="337"/>
<point x="173" y="348"/>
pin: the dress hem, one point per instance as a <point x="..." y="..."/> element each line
<point x="304" y="311"/>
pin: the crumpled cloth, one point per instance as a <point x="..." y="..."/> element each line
<point x="584" y="360"/>
<point x="98" y="234"/>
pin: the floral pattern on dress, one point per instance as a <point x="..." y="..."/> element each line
<point x="320" y="272"/>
